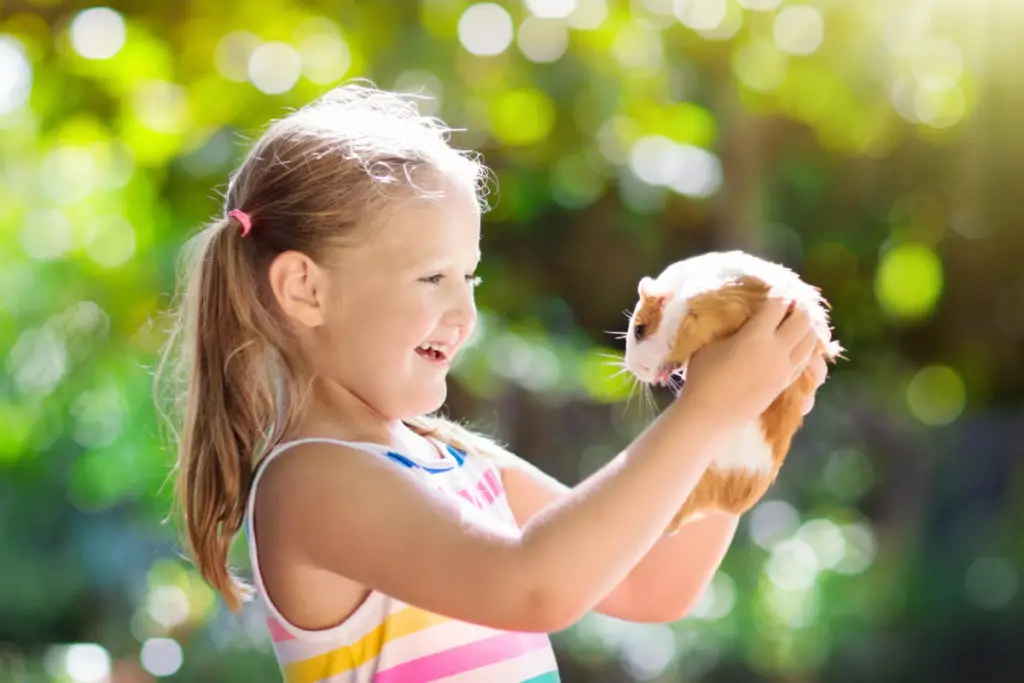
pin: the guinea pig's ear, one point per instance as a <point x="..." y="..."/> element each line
<point x="646" y="287"/>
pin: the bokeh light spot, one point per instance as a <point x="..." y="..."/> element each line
<point x="848" y="473"/>
<point x="167" y="605"/>
<point x="646" y="656"/>
<point x="792" y="565"/>
<point x="689" y="170"/>
<point x="37" y="361"/>
<point x="162" y="107"/>
<point x="110" y="240"/>
<point x="799" y="29"/>
<point x="98" y="33"/>
<point x="326" y="57"/>
<point x="161" y="656"/>
<point x="232" y="54"/>
<point x="551" y="9"/>
<point x="639" y="48"/>
<point x="542" y="40"/>
<point x="717" y="599"/>
<point x="523" y="117"/>
<point x="46" y="234"/>
<point x="760" y="5"/>
<point x="15" y="75"/>
<point x="861" y="547"/>
<point x="691" y="124"/>
<point x="937" y="62"/>
<point x="936" y="395"/>
<point x="759" y="65"/>
<point x="87" y="663"/>
<point x="704" y="15"/>
<point x="274" y="68"/>
<point x="825" y="539"/>
<point x="939" y="107"/>
<point x="771" y="521"/>
<point x="588" y="15"/>
<point x="909" y="281"/>
<point x="485" y="29"/>
<point x="991" y="582"/>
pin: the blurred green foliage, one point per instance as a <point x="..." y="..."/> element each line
<point x="873" y="146"/>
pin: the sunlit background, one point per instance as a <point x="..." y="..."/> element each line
<point x="876" y="146"/>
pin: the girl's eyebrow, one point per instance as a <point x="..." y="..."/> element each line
<point x="442" y="262"/>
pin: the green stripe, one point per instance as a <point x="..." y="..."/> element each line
<point x="549" y="677"/>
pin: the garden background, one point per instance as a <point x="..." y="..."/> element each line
<point x="873" y="146"/>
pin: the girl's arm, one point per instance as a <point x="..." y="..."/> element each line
<point x="358" y="516"/>
<point x="669" y="579"/>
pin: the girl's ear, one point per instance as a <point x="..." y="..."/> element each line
<point x="299" y="285"/>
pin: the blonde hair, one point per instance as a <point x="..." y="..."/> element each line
<point x="231" y="380"/>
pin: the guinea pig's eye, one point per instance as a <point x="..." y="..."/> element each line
<point x="639" y="330"/>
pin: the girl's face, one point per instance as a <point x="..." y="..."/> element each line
<point x="400" y="305"/>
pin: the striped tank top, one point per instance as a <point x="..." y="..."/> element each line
<point x="388" y="641"/>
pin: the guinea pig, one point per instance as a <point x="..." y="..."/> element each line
<point x="701" y="299"/>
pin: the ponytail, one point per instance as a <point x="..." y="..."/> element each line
<point x="231" y="407"/>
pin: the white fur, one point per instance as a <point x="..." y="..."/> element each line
<point x="747" y="450"/>
<point x="643" y="358"/>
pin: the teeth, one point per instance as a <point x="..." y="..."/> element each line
<point x="440" y="348"/>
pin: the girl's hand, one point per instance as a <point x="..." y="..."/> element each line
<point x="742" y="374"/>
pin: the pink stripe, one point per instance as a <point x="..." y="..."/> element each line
<point x="277" y="632"/>
<point x="468" y="496"/>
<point x="485" y="491"/>
<point x="492" y="479"/>
<point x="464" y="658"/>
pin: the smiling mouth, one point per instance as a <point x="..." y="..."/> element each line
<point x="433" y="353"/>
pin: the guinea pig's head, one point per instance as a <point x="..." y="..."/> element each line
<point x="667" y="328"/>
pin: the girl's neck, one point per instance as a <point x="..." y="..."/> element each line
<point x="336" y="413"/>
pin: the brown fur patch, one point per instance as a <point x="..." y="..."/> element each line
<point x="649" y="314"/>
<point x="716" y="314"/>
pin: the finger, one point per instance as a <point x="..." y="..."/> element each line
<point x="794" y="328"/>
<point x="801" y="353"/>
<point x="808" y="405"/>
<point x="818" y="369"/>
<point x="771" y="314"/>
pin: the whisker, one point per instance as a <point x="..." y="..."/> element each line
<point x="651" y="406"/>
<point x="629" y="399"/>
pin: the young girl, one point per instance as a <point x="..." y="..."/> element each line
<point x="320" y="317"/>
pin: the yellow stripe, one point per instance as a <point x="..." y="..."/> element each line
<point x="401" y="623"/>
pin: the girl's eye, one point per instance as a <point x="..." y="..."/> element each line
<point x="472" y="280"/>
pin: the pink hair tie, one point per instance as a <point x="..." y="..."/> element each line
<point x="243" y="218"/>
